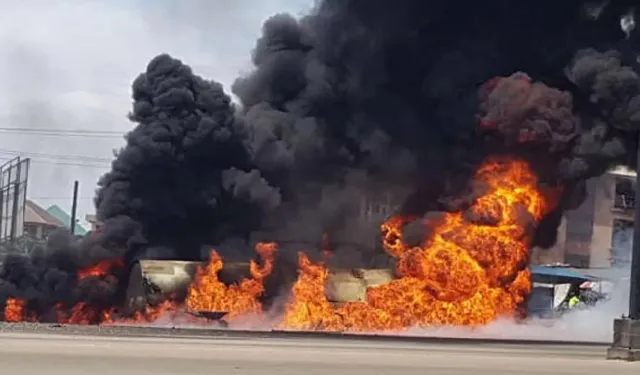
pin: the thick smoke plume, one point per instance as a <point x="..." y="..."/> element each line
<point x="360" y="101"/>
<point x="185" y="178"/>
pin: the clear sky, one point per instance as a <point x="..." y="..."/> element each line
<point x="68" y="64"/>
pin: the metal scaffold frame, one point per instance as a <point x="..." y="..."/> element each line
<point x="14" y="175"/>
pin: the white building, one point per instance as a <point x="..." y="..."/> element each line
<point x="598" y="233"/>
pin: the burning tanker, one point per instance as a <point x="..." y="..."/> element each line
<point x="478" y="124"/>
<point x="471" y="270"/>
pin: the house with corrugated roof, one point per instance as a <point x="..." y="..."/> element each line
<point x="38" y="223"/>
<point x="65" y="218"/>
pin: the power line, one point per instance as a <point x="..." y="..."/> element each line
<point x="58" y="159"/>
<point x="56" y="156"/>
<point x="51" y="134"/>
<point x="64" y="132"/>
<point x="89" y="131"/>
<point x="60" y="198"/>
<point x="83" y="165"/>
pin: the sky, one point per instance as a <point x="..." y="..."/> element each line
<point x="69" y="64"/>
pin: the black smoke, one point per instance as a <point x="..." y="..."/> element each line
<point x="405" y="95"/>
<point x="47" y="279"/>
<point x="363" y="106"/>
<point x="185" y="177"/>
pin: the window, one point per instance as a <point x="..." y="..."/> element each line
<point x="31" y="231"/>
<point x="624" y="194"/>
<point x="621" y="242"/>
<point x="376" y="208"/>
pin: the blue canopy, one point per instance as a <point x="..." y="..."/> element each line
<point x="560" y="274"/>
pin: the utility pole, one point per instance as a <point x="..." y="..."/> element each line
<point x="634" y="281"/>
<point x="626" y="330"/>
<point x="74" y="207"/>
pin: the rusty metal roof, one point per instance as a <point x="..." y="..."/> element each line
<point x="34" y="214"/>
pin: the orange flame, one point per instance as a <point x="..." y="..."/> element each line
<point x="471" y="270"/>
<point x="310" y="309"/>
<point x="84" y="313"/>
<point x="466" y="273"/>
<point x="149" y="314"/>
<point x="81" y="313"/>
<point x="103" y="268"/>
<point x="14" y="310"/>
<point x="208" y="293"/>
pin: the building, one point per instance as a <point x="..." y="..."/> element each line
<point x="38" y="223"/>
<point x="613" y="218"/>
<point x="65" y="218"/>
<point x="597" y="234"/>
<point x="93" y="221"/>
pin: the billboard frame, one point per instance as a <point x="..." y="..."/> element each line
<point x="14" y="176"/>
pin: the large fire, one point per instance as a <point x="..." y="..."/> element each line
<point x="465" y="273"/>
<point x="471" y="270"/>
<point x="207" y="293"/>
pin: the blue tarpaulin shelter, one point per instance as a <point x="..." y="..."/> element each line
<point x="558" y="275"/>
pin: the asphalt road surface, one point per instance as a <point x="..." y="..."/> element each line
<point x="53" y="354"/>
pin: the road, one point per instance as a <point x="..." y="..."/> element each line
<point x="29" y="353"/>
